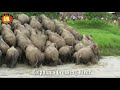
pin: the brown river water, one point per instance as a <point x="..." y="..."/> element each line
<point x="107" y="67"/>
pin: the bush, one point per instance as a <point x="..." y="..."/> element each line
<point x="99" y="15"/>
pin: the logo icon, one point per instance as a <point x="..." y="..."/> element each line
<point x="6" y="18"/>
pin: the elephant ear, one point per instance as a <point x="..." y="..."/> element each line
<point x="95" y="49"/>
<point x="59" y="30"/>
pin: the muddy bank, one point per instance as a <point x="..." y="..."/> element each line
<point x="107" y="67"/>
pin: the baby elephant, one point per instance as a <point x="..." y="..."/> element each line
<point x="52" y="55"/>
<point x="12" y="56"/>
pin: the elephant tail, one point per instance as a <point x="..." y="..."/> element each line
<point x="36" y="62"/>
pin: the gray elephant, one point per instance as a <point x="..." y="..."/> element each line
<point x="12" y="56"/>
<point x="87" y="40"/>
<point x="74" y="32"/>
<point x="29" y="28"/>
<point x="37" y="41"/>
<point x="65" y="53"/>
<point x="52" y="55"/>
<point x="8" y="26"/>
<point x="87" y="55"/>
<point x="68" y="37"/>
<point x="23" y="18"/>
<point x="21" y="56"/>
<point x="15" y="21"/>
<point x="22" y="40"/>
<point x="3" y="46"/>
<point x="34" y="56"/>
<point x="9" y="36"/>
<point x="47" y="23"/>
<point x="55" y="38"/>
<point x="22" y="29"/>
<point x="34" y="23"/>
<point x="78" y="46"/>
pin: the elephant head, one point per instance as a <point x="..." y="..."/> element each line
<point x="95" y="49"/>
<point x="59" y="30"/>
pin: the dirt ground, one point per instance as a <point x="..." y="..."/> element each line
<point x="108" y="67"/>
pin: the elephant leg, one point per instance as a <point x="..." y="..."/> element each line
<point x="94" y="61"/>
<point x="53" y="63"/>
<point x="8" y="64"/>
<point x="69" y="58"/>
<point x="77" y="62"/>
<point x="39" y="64"/>
<point x="13" y="63"/>
<point x="62" y="58"/>
<point x="26" y="61"/>
<point x="59" y="62"/>
<point x="65" y="59"/>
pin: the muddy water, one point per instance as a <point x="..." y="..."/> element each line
<point x="108" y="67"/>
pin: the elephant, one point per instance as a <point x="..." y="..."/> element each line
<point x="12" y="56"/>
<point x="24" y="30"/>
<point x="37" y="41"/>
<point x="23" y="18"/>
<point x="8" y="26"/>
<point x="87" y="40"/>
<point x="68" y="37"/>
<point x="55" y="38"/>
<point x="3" y="46"/>
<point x="87" y="55"/>
<point x="34" y="56"/>
<point x="15" y="21"/>
<point x="65" y="53"/>
<point x="47" y="23"/>
<point x="89" y="37"/>
<point x="78" y="46"/>
<point x="34" y="23"/>
<point x="42" y="35"/>
<point x="52" y="55"/>
<point x="74" y="32"/>
<point x="21" y="56"/>
<point x="29" y="28"/>
<point x="22" y="40"/>
<point x="9" y="36"/>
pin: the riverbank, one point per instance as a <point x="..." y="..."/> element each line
<point x="108" y="67"/>
<point x="106" y="34"/>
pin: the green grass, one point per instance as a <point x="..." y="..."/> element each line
<point x="107" y="35"/>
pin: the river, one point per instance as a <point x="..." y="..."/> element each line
<point x="107" y="67"/>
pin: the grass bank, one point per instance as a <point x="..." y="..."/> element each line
<point x="107" y="35"/>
